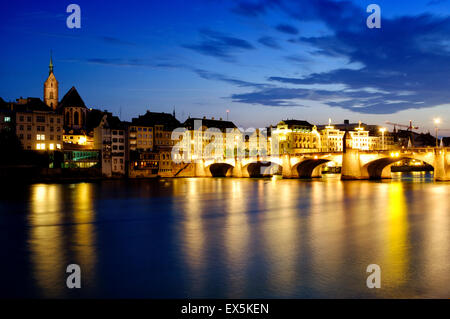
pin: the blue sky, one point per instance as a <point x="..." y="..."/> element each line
<point x="264" y="60"/>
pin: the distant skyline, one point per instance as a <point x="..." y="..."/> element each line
<point x="264" y="60"/>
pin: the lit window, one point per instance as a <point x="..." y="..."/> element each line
<point x="52" y="146"/>
<point x="58" y="146"/>
<point x="7" y="119"/>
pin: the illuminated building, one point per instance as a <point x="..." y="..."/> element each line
<point x="110" y="137"/>
<point x="295" y="136"/>
<point x="75" y="117"/>
<point x="150" y="144"/>
<point x="37" y="126"/>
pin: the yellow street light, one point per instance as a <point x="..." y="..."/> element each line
<point x="382" y="130"/>
<point x="437" y="121"/>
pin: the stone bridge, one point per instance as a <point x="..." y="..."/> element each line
<point x="355" y="164"/>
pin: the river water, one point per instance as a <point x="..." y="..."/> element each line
<point x="227" y="238"/>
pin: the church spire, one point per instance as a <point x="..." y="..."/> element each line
<point x="50" y="66"/>
<point x="51" y="86"/>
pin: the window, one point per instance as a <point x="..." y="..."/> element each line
<point x="52" y="137"/>
<point x="52" y="146"/>
<point x="40" y="137"/>
<point x="28" y="118"/>
<point x="21" y="118"/>
<point x="51" y="120"/>
<point x="40" y="119"/>
<point x="7" y="119"/>
<point x="145" y="129"/>
<point x="28" y="127"/>
<point x="29" y="137"/>
<point x="21" y="127"/>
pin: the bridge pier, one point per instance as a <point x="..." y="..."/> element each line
<point x="237" y="169"/>
<point x="441" y="165"/>
<point x="317" y="172"/>
<point x="386" y="173"/>
<point x="286" y="166"/>
<point x="351" y="166"/>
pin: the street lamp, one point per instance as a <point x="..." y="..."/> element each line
<point x="382" y="130"/>
<point x="437" y="121"/>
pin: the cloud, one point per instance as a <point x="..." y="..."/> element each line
<point x="220" y="77"/>
<point x="269" y="42"/>
<point x="435" y="2"/>
<point x="408" y="54"/>
<point x="286" y="28"/>
<point x="113" y="40"/>
<point x="129" y="62"/>
<point x="253" y="8"/>
<point x="219" y="45"/>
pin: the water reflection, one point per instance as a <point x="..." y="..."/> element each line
<point x="61" y="232"/>
<point x="46" y="239"/>
<point x="236" y="237"/>
<point x="395" y="269"/>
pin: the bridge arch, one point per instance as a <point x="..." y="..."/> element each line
<point x="308" y="168"/>
<point x="220" y="169"/>
<point x="262" y="169"/>
<point x="381" y="168"/>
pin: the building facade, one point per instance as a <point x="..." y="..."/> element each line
<point x="38" y="127"/>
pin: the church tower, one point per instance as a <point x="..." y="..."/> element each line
<point x="51" y="88"/>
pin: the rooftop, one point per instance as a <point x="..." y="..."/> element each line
<point x="72" y="98"/>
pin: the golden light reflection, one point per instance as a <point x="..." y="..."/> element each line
<point x="327" y="221"/>
<point x="236" y="237"/>
<point x="84" y="229"/>
<point x="60" y="235"/>
<point x="437" y="241"/>
<point x="193" y="235"/>
<point x="47" y="251"/>
<point x="280" y="236"/>
<point x="396" y="244"/>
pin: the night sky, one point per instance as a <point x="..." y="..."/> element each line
<point x="263" y="60"/>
